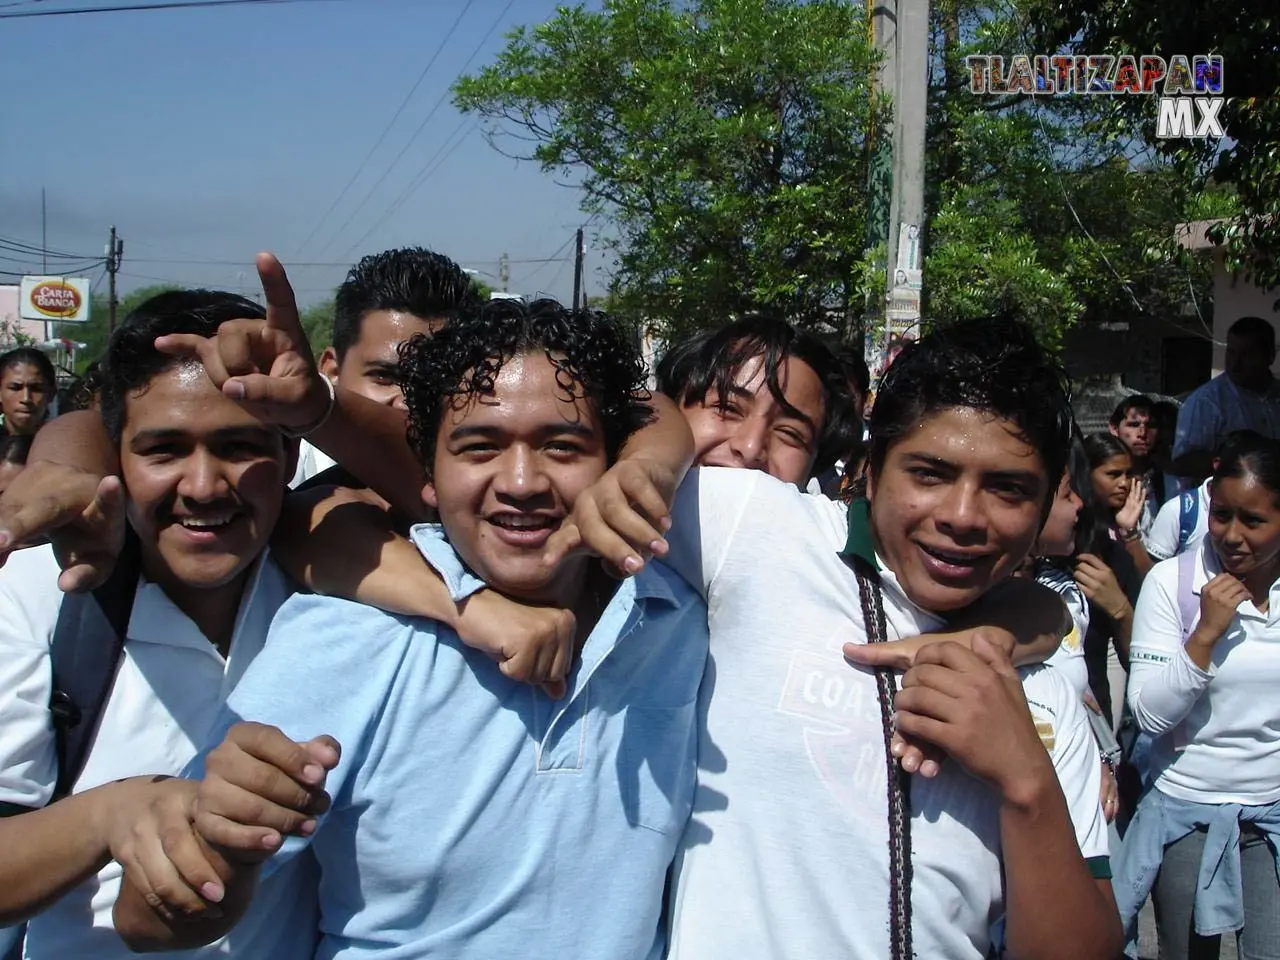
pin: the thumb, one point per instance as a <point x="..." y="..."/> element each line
<point x="891" y="655"/>
<point x="261" y="388"/>
<point x="993" y="655"/>
<point x="108" y="501"/>
<point x="562" y="543"/>
<point x="324" y="750"/>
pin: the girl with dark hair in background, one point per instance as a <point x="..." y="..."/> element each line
<point x="27" y="384"/>
<point x="1203" y="684"/>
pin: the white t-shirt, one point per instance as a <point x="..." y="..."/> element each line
<point x="167" y="694"/>
<point x="1162" y="540"/>
<point x="1069" y="657"/>
<point x="311" y="461"/>
<point x="1217" y="730"/>
<point x="786" y="854"/>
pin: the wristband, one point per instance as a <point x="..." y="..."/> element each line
<point x="1128" y="536"/>
<point x="324" y="418"/>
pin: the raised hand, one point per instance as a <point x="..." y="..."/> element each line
<point x="266" y="365"/>
<point x="621" y="518"/>
<point x="1098" y="582"/>
<point x="1219" y="600"/>
<point x="82" y="513"/>
<point x="1128" y="516"/>
<point x="260" y="786"/>
<point x="530" y="644"/>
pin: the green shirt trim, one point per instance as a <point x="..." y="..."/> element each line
<point x="1099" y="867"/>
<point x="859" y="542"/>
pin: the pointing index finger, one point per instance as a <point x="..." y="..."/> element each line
<point x="282" y="307"/>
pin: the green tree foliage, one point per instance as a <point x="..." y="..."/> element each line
<point x="1247" y="36"/>
<point x="726" y="139"/>
<point x="317" y="323"/>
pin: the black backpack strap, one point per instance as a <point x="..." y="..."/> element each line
<point x="88" y="643"/>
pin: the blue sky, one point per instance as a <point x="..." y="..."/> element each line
<point x="205" y="135"/>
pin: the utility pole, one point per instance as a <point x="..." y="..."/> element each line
<point x="504" y="271"/>
<point x="115" y="251"/>
<point x="44" y="237"/>
<point x="580" y="252"/>
<point x="901" y="34"/>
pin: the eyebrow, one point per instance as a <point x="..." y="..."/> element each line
<point x="795" y="413"/>
<point x="160" y="434"/>
<point x="1022" y="476"/>
<point x="466" y="431"/>
<point x="382" y="366"/>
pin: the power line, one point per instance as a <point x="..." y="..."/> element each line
<point x="134" y="7"/>
<point x="387" y="129"/>
<point x="497" y="21"/>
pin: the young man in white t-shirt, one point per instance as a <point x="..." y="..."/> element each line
<point x="203" y="481"/>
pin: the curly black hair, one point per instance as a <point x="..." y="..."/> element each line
<point x="132" y="361"/>
<point x="711" y="360"/>
<point x="993" y="365"/>
<point x="411" y="279"/>
<point x="595" y="359"/>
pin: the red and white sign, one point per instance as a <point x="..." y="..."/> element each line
<point x="61" y="299"/>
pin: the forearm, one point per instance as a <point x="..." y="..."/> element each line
<point x="666" y="438"/>
<point x="1055" y="909"/>
<point x="78" y="439"/>
<point x="1032" y="616"/>
<point x="51" y="850"/>
<point x="1162" y="691"/>
<point x="147" y="930"/>
<point x="342" y="547"/>
<point x="369" y="439"/>
<point x="1137" y="551"/>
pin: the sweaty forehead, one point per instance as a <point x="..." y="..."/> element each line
<point x="183" y="398"/>
<point x="529" y="392"/>
<point x="382" y="331"/>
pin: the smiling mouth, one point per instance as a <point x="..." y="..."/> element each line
<point x="955" y="562"/>
<point x="523" y="522"/>
<point x="209" y="523"/>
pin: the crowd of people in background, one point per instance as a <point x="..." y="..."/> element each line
<point x="343" y="676"/>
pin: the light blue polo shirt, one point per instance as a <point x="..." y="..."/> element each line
<point x="474" y="817"/>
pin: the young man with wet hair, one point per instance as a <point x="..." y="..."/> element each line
<point x="202" y="483"/>
<point x="468" y="815"/>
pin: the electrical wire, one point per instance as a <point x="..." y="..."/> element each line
<point x="387" y="129"/>
<point x="169" y="5"/>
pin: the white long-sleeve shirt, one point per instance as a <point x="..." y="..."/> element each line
<point x="1218" y="730"/>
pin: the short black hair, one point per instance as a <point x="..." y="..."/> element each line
<point x="1135" y="401"/>
<point x="14" y="448"/>
<point x="993" y="365"/>
<point x="132" y="361"/>
<point x="36" y="358"/>
<point x="1260" y="330"/>
<point x="1101" y="446"/>
<point x="712" y="359"/>
<point x="855" y="368"/>
<point x="1258" y="457"/>
<point x="411" y="280"/>
<point x="596" y="359"/>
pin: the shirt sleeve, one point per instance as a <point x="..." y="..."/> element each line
<point x="1164" y="683"/>
<point x="705" y="516"/>
<point x="321" y="652"/>
<point x="29" y="605"/>
<point x="1162" y="539"/>
<point x="1076" y="760"/>
<point x="1199" y="423"/>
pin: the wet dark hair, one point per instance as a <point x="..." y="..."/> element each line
<point x="36" y="358"/>
<point x="1102" y="446"/>
<point x="1135" y="401"/>
<point x="856" y="370"/>
<point x="711" y="360"/>
<point x="15" y="448"/>
<point x="1254" y="456"/>
<point x="595" y="358"/>
<point x="131" y="360"/>
<point x="993" y="365"/>
<point x="411" y="280"/>
<point x="1257" y="329"/>
<point x="1092" y="528"/>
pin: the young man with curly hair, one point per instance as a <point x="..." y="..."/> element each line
<point x="468" y="816"/>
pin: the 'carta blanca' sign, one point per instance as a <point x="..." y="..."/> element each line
<point x="64" y="299"/>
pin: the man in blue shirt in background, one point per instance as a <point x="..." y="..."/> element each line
<point x="470" y="815"/>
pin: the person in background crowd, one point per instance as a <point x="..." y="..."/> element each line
<point x="1134" y="422"/>
<point x="386" y="298"/>
<point x="1183" y="521"/>
<point x="761" y="394"/>
<point x="1165" y="417"/>
<point x="1245" y="396"/>
<point x="13" y="457"/>
<point x="28" y="383"/>
<point x="1203" y="681"/>
<point x="842" y="481"/>
<point x="1109" y="573"/>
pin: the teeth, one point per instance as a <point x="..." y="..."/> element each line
<point x="522" y="523"/>
<point x="204" y="523"/>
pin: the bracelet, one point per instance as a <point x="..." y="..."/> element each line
<point x="1128" y="536"/>
<point x="324" y="418"/>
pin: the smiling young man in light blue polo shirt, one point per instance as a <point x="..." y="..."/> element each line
<point x="471" y="815"/>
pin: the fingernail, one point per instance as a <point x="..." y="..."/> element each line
<point x="665" y="524"/>
<point x="271" y="840"/>
<point x="212" y="892"/>
<point x="307" y="827"/>
<point x="911" y="764"/>
<point x="898" y="748"/>
<point x="930" y="768"/>
<point x="4" y="539"/>
<point x="234" y="389"/>
<point x="632" y="564"/>
<point x="312" y="773"/>
<point x="657" y="546"/>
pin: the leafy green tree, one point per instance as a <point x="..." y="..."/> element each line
<point x="726" y="140"/>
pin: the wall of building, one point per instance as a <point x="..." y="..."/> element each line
<point x="1234" y="296"/>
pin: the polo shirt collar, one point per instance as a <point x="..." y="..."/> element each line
<point x="859" y="542"/>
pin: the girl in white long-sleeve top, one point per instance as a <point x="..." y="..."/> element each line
<point x="1204" y="682"/>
